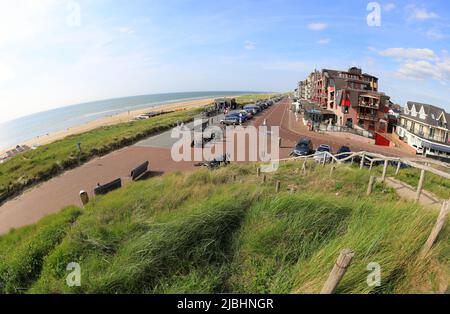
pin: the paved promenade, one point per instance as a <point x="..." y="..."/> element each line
<point x="59" y="192"/>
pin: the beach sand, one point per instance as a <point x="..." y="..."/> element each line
<point x="111" y="120"/>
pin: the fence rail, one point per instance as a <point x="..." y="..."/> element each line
<point x="337" y="128"/>
<point x="374" y="157"/>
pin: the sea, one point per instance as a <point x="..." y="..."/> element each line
<point x="23" y="129"/>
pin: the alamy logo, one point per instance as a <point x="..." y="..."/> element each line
<point x="74" y="17"/>
<point x="239" y="143"/>
<point x="374" y="277"/>
<point x="73" y="279"/>
<point x="374" y="17"/>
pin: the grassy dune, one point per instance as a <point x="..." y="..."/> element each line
<point x="433" y="183"/>
<point x="215" y="235"/>
<point x="249" y="99"/>
<point x="48" y="160"/>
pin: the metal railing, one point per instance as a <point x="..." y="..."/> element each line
<point x="344" y="129"/>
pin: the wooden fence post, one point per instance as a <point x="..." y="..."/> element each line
<point x="420" y="186"/>
<point x="304" y="167"/>
<point x="339" y="270"/>
<point x="84" y="197"/>
<point x="370" y="186"/>
<point x="361" y="165"/>
<point x="442" y="218"/>
<point x="278" y="186"/>
<point x="383" y="177"/>
<point x="264" y="179"/>
<point x="258" y="171"/>
<point x="398" y="167"/>
<point x="371" y="166"/>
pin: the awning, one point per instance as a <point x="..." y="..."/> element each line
<point x="370" y="96"/>
<point x="438" y="147"/>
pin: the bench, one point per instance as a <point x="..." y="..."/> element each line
<point x="139" y="171"/>
<point x="108" y="187"/>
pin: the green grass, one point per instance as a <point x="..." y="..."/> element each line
<point x="217" y="235"/>
<point x="433" y="183"/>
<point x="249" y="99"/>
<point x="48" y="160"/>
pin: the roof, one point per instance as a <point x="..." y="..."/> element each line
<point x="334" y="73"/>
<point x="433" y="113"/>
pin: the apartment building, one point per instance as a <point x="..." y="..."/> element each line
<point x="303" y="90"/>
<point x="425" y="128"/>
<point x="352" y="96"/>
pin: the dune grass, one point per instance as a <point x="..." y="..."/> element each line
<point x="203" y="232"/>
<point x="433" y="183"/>
<point x="249" y="99"/>
<point x="48" y="160"/>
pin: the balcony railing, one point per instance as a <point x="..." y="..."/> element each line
<point x="368" y="104"/>
<point x="433" y="138"/>
<point x="367" y="117"/>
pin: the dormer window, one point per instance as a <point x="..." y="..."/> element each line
<point x="422" y="114"/>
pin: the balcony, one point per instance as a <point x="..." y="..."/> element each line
<point x="368" y="117"/>
<point x="426" y="136"/>
<point x="367" y="104"/>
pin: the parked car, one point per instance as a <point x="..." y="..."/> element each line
<point x="260" y="107"/>
<point x="321" y="152"/>
<point x="343" y="150"/>
<point x="248" y="114"/>
<point x="242" y="117"/>
<point x="254" y="108"/>
<point x="251" y="110"/>
<point x="230" y="120"/>
<point x="303" y="148"/>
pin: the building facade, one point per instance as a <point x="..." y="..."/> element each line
<point x="352" y="96"/>
<point x="425" y="128"/>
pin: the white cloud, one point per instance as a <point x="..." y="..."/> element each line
<point x="438" y="70"/>
<point x="420" y="14"/>
<point x="126" y="30"/>
<point x="409" y="53"/>
<point x="249" y="45"/>
<point x="435" y="34"/>
<point x="324" y="41"/>
<point x="419" y="70"/>
<point x="389" y="7"/>
<point x="317" y="26"/>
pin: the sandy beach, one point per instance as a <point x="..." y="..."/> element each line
<point x="111" y="120"/>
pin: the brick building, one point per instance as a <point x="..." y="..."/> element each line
<point x="352" y="96"/>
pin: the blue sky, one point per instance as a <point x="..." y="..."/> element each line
<point x="60" y="52"/>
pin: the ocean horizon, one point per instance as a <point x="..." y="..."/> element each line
<point x="23" y="129"/>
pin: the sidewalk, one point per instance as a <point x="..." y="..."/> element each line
<point x="408" y="192"/>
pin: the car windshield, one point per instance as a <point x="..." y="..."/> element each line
<point x="323" y="149"/>
<point x="302" y="145"/>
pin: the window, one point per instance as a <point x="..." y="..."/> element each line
<point x="432" y="132"/>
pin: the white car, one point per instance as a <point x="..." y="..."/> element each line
<point x="321" y="152"/>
